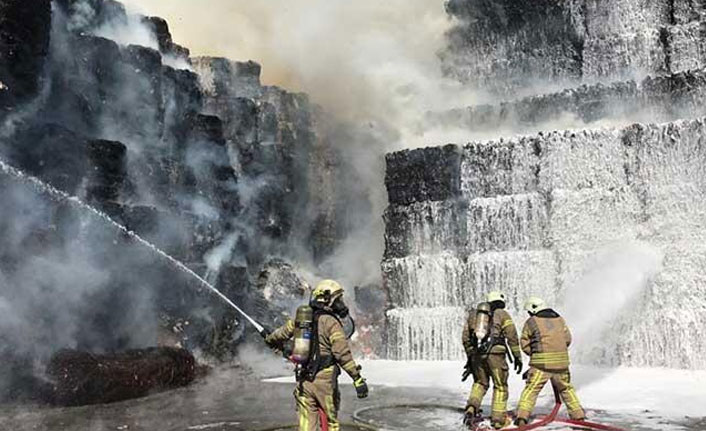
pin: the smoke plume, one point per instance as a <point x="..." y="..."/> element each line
<point x="361" y="60"/>
<point x="373" y="68"/>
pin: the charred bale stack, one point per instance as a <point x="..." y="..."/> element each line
<point x="120" y="127"/>
<point x="82" y="378"/>
<point x="192" y="163"/>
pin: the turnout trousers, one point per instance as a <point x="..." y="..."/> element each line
<point x="322" y="394"/>
<point x="561" y="380"/>
<point x="489" y="367"/>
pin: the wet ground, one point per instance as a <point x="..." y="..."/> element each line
<point x="235" y="398"/>
<point x="227" y="400"/>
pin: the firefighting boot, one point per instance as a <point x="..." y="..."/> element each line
<point x="469" y="416"/>
<point x="502" y="424"/>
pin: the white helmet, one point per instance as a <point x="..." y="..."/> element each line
<point x="327" y="291"/>
<point x="495" y="295"/>
<point x="535" y="304"/>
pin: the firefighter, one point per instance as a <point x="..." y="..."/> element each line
<point x="546" y="340"/>
<point x="486" y="350"/>
<point x="317" y="377"/>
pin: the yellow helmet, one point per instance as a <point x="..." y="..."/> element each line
<point x="535" y="304"/>
<point x="495" y="295"/>
<point x="327" y="291"/>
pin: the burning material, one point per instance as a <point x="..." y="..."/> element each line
<point x="81" y="378"/>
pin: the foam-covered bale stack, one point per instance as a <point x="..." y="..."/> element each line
<point x="536" y="211"/>
<point x="623" y="38"/>
<point x="473" y="220"/>
<point x="685" y="37"/>
<point x="420" y="268"/>
<point x="498" y="46"/>
<point x="658" y="98"/>
<point x="540" y="213"/>
<point x="530" y="215"/>
<point x="668" y="172"/>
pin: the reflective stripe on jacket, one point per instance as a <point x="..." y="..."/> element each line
<point x="546" y="339"/>
<point x="332" y="342"/>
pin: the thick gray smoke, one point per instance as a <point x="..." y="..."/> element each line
<point x="361" y="60"/>
<point x="373" y="68"/>
<point x="102" y="122"/>
<point x="63" y="283"/>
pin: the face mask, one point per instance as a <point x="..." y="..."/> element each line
<point x="339" y="307"/>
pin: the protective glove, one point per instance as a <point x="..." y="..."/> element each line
<point x="265" y="334"/>
<point x="361" y="388"/>
<point x="467" y="369"/>
<point x="518" y="364"/>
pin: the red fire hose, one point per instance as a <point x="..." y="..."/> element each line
<point x="546" y="420"/>
<point x="323" y="421"/>
<point x="587" y="424"/>
<point x="543" y="420"/>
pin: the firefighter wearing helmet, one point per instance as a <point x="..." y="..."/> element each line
<point x="320" y="351"/>
<point x="487" y="330"/>
<point x="546" y="340"/>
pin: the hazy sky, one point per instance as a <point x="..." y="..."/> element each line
<point x="361" y="60"/>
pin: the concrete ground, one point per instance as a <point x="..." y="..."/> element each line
<point x="236" y="398"/>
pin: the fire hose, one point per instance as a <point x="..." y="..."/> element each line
<point x="543" y="420"/>
<point x="363" y="424"/>
<point x="589" y="425"/>
<point x="546" y="420"/>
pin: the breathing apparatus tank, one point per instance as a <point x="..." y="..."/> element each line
<point x="482" y="325"/>
<point x="303" y="332"/>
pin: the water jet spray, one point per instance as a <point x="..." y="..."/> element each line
<point x="59" y="195"/>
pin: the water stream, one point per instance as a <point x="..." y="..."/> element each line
<point x="74" y="201"/>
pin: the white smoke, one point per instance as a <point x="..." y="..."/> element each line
<point x="50" y="295"/>
<point x="175" y="62"/>
<point x="220" y="254"/>
<point x="131" y="31"/>
<point x="82" y="15"/>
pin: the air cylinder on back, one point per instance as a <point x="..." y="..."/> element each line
<point x="303" y="332"/>
<point x="482" y="326"/>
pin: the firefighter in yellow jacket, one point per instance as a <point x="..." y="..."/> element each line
<point x="487" y="329"/>
<point x="546" y="340"/>
<point x="317" y="378"/>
